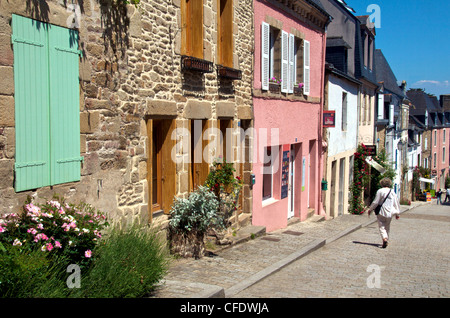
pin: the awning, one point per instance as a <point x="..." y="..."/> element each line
<point x="376" y="165"/>
<point x="426" y="180"/>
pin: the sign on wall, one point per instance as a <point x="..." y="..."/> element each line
<point x="285" y="172"/>
<point x="329" y="118"/>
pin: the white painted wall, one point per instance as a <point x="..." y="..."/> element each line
<point x="340" y="141"/>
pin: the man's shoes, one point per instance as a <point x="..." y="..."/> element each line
<point x="385" y="244"/>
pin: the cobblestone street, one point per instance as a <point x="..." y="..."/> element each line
<point x="415" y="264"/>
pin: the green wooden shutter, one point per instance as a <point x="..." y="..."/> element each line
<point x="64" y="105"/>
<point x="32" y="163"/>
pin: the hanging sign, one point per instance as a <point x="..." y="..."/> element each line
<point x="371" y="150"/>
<point x="329" y="118"/>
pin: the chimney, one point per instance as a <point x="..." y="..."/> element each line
<point x="403" y="87"/>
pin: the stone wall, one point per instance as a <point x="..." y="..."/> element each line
<point x="130" y="72"/>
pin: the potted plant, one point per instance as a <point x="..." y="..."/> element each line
<point x="298" y="88"/>
<point x="190" y="219"/>
<point x="274" y="85"/>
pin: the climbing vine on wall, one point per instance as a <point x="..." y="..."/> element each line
<point x="361" y="178"/>
<point x="364" y="176"/>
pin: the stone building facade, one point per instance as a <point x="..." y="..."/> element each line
<point x="143" y="91"/>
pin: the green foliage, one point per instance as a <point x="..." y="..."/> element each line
<point x="225" y="186"/>
<point x="420" y="172"/>
<point x="128" y="263"/>
<point x="363" y="176"/>
<point x="27" y="272"/>
<point x="55" y="227"/>
<point x="360" y="179"/>
<point x="376" y="176"/>
<point x="196" y="213"/>
<point x="135" y="2"/>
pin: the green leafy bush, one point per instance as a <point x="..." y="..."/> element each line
<point x="225" y="186"/>
<point x="127" y="264"/>
<point x="26" y="272"/>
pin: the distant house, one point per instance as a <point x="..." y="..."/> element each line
<point x="341" y="95"/>
<point x="433" y="117"/>
<point x="287" y="103"/>
<point x="392" y="121"/>
<point x="365" y="51"/>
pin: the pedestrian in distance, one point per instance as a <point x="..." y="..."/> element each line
<point x="447" y="195"/>
<point x="438" y="196"/>
<point x="390" y="207"/>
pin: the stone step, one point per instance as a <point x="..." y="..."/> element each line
<point x="316" y="218"/>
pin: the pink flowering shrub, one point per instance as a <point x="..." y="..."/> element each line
<point x="70" y="230"/>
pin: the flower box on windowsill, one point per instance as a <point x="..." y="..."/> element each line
<point x="274" y="88"/>
<point x="298" y="91"/>
<point x="195" y="64"/>
<point x="228" y="72"/>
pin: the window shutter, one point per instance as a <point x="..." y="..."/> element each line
<point x="284" y="61"/>
<point x="306" y="66"/>
<point x="265" y="49"/>
<point x="64" y="105"/>
<point x="292" y="75"/>
<point x="32" y="163"/>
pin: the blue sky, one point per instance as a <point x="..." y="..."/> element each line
<point x="414" y="36"/>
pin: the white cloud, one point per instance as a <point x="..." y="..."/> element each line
<point x="438" y="83"/>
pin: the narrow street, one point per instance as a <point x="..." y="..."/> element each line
<point x="415" y="264"/>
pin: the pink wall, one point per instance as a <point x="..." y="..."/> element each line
<point x="298" y="122"/>
<point x="438" y="149"/>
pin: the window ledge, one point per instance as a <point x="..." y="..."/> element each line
<point x="196" y="64"/>
<point x="292" y="97"/>
<point x="228" y="72"/>
<point x="269" y="201"/>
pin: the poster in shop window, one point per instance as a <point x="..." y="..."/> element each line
<point x="285" y="174"/>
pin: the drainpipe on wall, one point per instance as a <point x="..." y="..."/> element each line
<point x="321" y="210"/>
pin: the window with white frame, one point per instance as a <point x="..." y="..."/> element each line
<point x="284" y="58"/>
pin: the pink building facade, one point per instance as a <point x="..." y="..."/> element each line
<point x="440" y="156"/>
<point x="288" y="90"/>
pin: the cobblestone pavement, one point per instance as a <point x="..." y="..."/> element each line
<point x="415" y="263"/>
<point x="343" y="248"/>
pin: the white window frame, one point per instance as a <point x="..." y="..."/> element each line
<point x="288" y="60"/>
